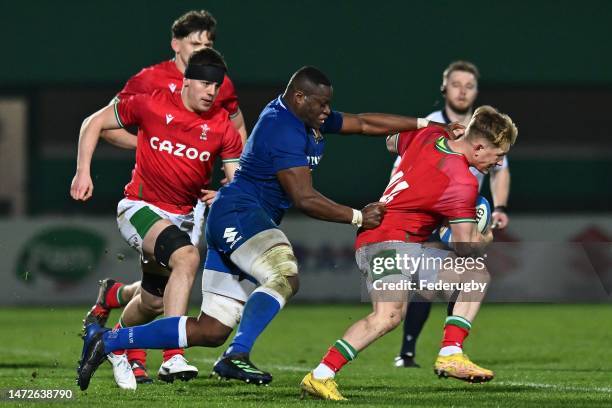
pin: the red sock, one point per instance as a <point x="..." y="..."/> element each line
<point x="111" y="296"/>
<point x="99" y="310"/>
<point x="118" y="352"/>
<point x="454" y="335"/>
<point x="334" y="359"/>
<point x="137" y="355"/>
<point x="169" y="353"/>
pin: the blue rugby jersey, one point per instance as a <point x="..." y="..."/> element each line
<point x="279" y="140"/>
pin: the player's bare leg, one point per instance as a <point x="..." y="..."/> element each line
<point x="183" y="261"/>
<point x="129" y="291"/>
<point x="142" y="308"/>
<point x="112" y="294"/>
<point x="386" y="316"/>
<point x="149" y="303"/>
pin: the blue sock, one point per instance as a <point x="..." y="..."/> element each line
<point x="258" y="312"/>
<point x="159" y="334"/>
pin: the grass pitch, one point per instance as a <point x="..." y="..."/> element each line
<point x="543" y="355"/>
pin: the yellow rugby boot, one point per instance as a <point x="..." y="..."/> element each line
<point x="325" y="389"/>
<point x="459" y="366"/>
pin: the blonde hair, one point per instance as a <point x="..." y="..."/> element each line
<point x="496" y="127"/>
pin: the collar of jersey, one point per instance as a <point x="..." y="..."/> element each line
<point x="176" y="70"/>
<point x="282" y="104"/>
<point x="306" y="128"/>
<point x="442" y="145"/>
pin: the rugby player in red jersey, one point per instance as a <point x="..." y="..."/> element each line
<point x="192" y="31"/>
<point x="433" y="183"/>
<point x="179" y="137"/>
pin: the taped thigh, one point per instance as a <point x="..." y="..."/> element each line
<point x="226" y="310"/>
<point x="245" y="256"/>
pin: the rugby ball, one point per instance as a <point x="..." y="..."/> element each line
<point x="483" y="218"/>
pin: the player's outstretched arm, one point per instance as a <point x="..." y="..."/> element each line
<point x="376" y="124"/>
<point x="82" y="185"/>
<point x="297" y="183"/>
<point x="467" y="240"/>
<point x="383" y="124"/>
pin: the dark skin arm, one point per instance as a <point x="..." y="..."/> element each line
<point x="297" y="183"/>
<point x="383" y="124"/>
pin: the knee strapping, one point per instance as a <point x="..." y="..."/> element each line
<point x="168" y="241"/>
<point x="277" y="264"/>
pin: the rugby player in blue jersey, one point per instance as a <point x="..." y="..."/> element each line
<point x="249" y="258"/>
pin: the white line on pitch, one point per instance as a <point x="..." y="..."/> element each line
<point x="555" y="386"/>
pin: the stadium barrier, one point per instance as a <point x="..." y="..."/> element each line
<point x="57" y="261"/>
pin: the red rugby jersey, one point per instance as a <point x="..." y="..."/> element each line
<point x="166" y="75"/>
<point x="431" y="183"/>
<point x="176" y="148"/>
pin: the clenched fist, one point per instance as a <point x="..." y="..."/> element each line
<point x="372" y="215"/>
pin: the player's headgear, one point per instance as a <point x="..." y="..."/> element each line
<point x="458" y="66"/>
<point x="206" y="65"/>
<point x="194" y="21"/>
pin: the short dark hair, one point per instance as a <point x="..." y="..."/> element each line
<point x="207" y="56"/>
<point x="308" y="77"/>
<point x="194" y="21"/>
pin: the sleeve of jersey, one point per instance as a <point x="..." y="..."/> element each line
<point x="403" y="141"/>
<point x="232" y="145"/>
<point x="333" y="123"/>
<point x="129" y="111"/>
<point x="287" y="149"/>
<point x="230" y="99"/>
<point x="459" y="202"/>
<point x="138" y="84"/>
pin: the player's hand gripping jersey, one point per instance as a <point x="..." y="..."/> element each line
<point x="431" y="183"/>
<point x="176" y="148"/>
<point x="166" y="75"/>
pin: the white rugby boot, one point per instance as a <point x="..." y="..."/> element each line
<point x="122" y="371"/>
<point x="176" y="367"/>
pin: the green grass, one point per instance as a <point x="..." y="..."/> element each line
<point x="543" y="355"/>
